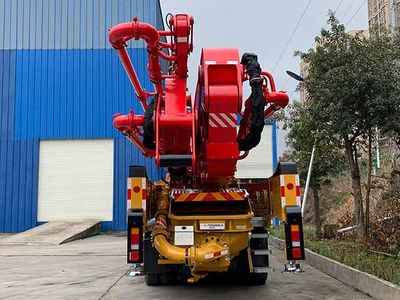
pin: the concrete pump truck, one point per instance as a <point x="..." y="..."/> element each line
<point x="201" y="220"/>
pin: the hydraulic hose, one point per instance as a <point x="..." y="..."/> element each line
<point x="257" y="102"/>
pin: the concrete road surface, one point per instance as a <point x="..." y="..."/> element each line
<point x="95" y="268"/>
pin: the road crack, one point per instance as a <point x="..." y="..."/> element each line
<point x="123" y="274"/>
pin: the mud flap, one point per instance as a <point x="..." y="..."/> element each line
<point x="151" y="257"/>
<point x="294" y="240"/>
<point x="135" y="237"/>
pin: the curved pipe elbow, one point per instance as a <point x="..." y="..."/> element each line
<point x="278" y="99"/>
<point x="128" y="121"/>
<point x="167" y="250"/>
<point x="193" y="255"/>
<point x="121" y="33"/>
<point x="148" y="33"/>
<point x="121" y="122"/>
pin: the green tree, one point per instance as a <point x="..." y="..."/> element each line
<point x="302" y="135"/>
<point x="353" y="88"/>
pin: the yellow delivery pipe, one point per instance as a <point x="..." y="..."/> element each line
<point x="190" y="255"/>
<point x="193" y="255"/>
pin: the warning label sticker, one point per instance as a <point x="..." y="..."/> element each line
<point x="212" y="226"/>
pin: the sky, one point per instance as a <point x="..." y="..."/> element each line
<point x="264" y="27"/>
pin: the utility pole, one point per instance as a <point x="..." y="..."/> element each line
<point x="378" y="160"/>
<point x="303" y="205"/>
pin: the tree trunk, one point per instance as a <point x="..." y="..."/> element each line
<point x="360" y="198"/>
<point x="351" y="152"/>
<point x="368" y="192"/>
<point x="317" y="213"/>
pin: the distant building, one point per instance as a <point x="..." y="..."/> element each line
<point x="304" y="66"/>
<point x="384" y="14"/>
<point x="363" y="33"/>
<point x="303" y="73"/>
<point x="60" y="84"/>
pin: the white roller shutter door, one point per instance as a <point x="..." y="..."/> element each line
<point x="75" y="180"/>
<point x="259" y="162"/>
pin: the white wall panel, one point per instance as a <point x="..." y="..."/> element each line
<point x="259" y="162"/>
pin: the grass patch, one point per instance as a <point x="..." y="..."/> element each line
<point x="351" y="253"/>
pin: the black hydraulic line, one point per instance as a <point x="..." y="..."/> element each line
<point x="148" y="128"/>
<point x="257" y="103"/>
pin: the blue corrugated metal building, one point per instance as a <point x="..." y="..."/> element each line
<point x="59" y="81"/>
<point x="60" y="84"/>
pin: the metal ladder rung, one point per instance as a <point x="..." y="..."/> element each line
<point x="262" y="270"/>
<point x="261" y="252"/>
<point x="258" y="222"/>
<point x="259" y="235"/>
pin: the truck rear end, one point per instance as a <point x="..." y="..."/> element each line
<point x="184" y="233"/>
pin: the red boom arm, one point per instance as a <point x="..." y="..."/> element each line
<point x="198" y="135"/>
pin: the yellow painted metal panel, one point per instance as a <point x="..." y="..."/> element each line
<point x="136" y="192"/>
<point x="290" y="195"/>
<point x="282" y="195"/>
<point x="275" y="187"/>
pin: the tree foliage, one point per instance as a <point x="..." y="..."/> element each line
<point x="353" y="81"/>
<point x="353" y="87"/>
<point x="328" y="157"/>
<point x="302" y="135"/>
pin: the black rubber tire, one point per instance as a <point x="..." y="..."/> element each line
<point x="155" y="279"/>
<point x="256" y="278"/>
<point x="240" y="273"/>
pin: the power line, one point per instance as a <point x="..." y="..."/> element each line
<point x="291" y="36"/>
<point x="337" y="7"/>
<point x="348" y="9"/>
<point x="285" y="83"/>
<point x="356" y="12"/>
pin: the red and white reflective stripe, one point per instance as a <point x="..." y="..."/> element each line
<point x="298" y="200"/>
<point x="214" y="62"/>
<point x="222" y="120"/>
<point x="282" y="186"/>
<point x="128" y="193"/>
<point x="128" y="189"/>
<point x="216" y="254"/>
<point x="144" y="192"/>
